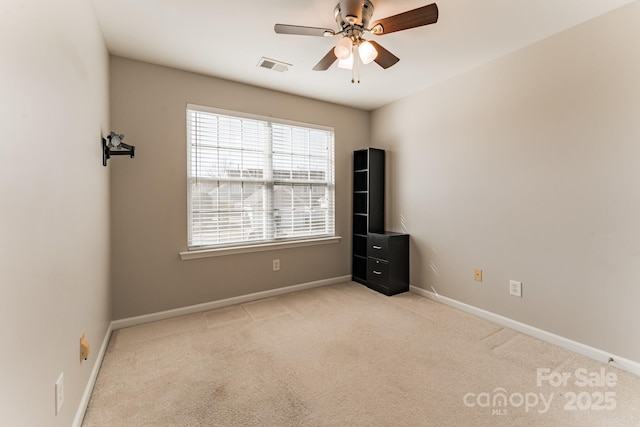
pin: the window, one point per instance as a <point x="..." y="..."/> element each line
<point x="254" y="180"/>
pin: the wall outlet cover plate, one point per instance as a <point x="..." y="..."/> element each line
<point x="515" y="288"/>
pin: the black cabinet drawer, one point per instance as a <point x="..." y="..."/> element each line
<point x="388" y="262"/>
<point x="378" y="246"/>
<point x="377" y="271"/>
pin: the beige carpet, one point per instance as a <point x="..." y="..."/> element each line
<point x="344" y="355"/>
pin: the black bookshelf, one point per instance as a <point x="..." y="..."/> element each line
<point x="368" y="205"/>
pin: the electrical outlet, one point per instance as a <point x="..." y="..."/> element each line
<point x="515" y="288"/>
<point x="84" y="348"/>
<point x="59" y="392"/>
<point x="477" y="275"/>
<point x="276" y="264"/>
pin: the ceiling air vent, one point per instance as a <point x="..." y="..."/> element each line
<point x="272" y="64"/>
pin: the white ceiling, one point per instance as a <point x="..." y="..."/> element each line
<point x="226" y="39"/>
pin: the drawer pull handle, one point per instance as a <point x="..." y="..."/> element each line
<point x="377" y="247"/>
<point x="377" y="272"/>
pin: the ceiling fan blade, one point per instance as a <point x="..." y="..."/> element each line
<point x="326" y="62"/>
<point x="385" y="59"/>
<point x="424" y="15"/>
<point x="299" y="30"/>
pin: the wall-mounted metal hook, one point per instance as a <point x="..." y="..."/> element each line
<point x="113" y="146"/>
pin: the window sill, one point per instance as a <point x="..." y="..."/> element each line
<point x="207" y="253"/>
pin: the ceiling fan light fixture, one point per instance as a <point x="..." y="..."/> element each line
<point x="346" y="63"/>
<point x="343" y="48"/>
<point x="367" y="52"/>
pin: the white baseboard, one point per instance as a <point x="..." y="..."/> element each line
<point x="138" y="320"/>
<point x="82" y="408"/>
<point x="583" y="349"/>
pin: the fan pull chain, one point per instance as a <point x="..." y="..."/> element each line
<point x="355" y="69"/>
<point x="353" y="64"/>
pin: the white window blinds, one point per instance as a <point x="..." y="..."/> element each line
<point x="254" y="181"/>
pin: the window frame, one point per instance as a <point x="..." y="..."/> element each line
<point x="242" y="246"/>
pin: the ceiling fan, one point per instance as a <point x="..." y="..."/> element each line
<point x="353" y="18"/>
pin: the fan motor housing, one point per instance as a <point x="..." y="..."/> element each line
<point x="356" y="18"/>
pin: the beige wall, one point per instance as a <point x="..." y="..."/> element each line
<point x="528" y="168"/>
<point x="54" y="214"/>
<point x="149" y="217"/>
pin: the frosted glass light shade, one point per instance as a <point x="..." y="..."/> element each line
<point x="346" y="63"/>
<point x="367" y="52"/>
<point x="343" y="48"/>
